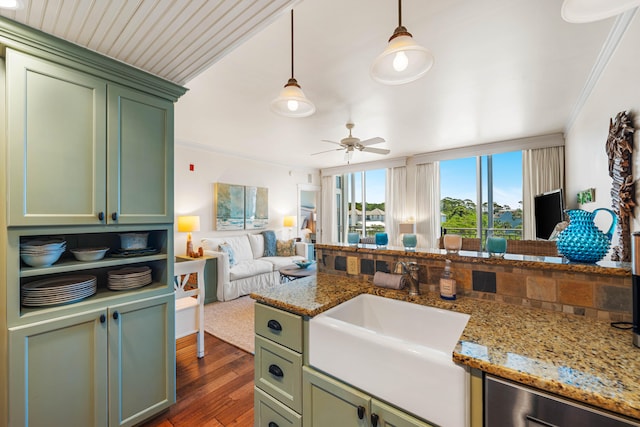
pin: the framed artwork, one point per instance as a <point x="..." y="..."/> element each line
<point x="229" y="206"/>
<point x="256" y="208"/>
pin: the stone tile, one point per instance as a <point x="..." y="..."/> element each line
<point x="382" y="266"/>
<point x="510" y="284"/>
<point x="484" y="281"/>
<point x="613" y="298"/>
<point x="541" y="289"/>
<point x="367" y="266"/>
<point x="575" y="293"/>
<point x="341" y="263"/>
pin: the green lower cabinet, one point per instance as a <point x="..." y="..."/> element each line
<point x="329" y="403"/>
<point x="105" y="367"/>
<point x="58" y="374"/>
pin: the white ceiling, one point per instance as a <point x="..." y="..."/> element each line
<point x="503" y="69"/>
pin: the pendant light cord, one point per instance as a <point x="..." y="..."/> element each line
<point x="399" y="13"/>
<point x="292" y="43"/>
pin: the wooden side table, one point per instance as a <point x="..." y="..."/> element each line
<point x="210" y="276"/>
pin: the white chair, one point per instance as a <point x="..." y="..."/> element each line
<point x="190" y="301"/>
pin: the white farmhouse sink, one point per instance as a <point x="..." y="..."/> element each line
<point x="397" y="351"/>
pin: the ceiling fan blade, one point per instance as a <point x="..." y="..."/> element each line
<point x="376" y="150"/>
<point x="371" y="141"/>
<point x="332" y="142"/>
<point x="327" y="151"/>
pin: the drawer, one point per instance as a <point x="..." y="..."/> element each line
<point x="278" y="371"/>
<point x="268" y="412"/>
<point x="279" y="326"/>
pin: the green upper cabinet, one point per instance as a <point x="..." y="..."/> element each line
<point x="140" y="158"/>
<point x="83" y="150"/>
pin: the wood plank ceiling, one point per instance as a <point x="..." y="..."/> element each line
<point x="175" y="40"/>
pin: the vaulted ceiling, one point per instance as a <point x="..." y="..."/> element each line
<point x="504" y="69"/>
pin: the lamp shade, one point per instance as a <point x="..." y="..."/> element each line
<point x="406" y="227"/>
<point x="581" y="11"/>
<point x="187" y="224"/>
<point x="289" y="221"/>
<point x="403" y="61"/>
<point x="291" y="102"/>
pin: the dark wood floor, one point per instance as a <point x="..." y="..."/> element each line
<point x="215" y="391"/>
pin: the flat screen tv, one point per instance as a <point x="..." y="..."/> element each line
<point x="549" y="211"/>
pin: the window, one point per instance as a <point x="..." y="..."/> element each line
<point x="470" y="185"/>
<point x="363" y="203"/>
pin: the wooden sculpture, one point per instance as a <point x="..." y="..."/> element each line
<point x="619" y="148"/>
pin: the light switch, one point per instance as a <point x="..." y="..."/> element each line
<point x="352" y="265"/>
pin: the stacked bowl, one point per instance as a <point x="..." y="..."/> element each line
<point x="42" y="252"/>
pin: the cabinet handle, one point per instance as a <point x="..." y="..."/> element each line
<point x="101" y="216"/>
<point x="374" y="420"/>
<point x="274" y="324"/>
<point x="538" y="422"/>
<point x="115" y="315"/>
<point x="360" y="412"/>
<point x="103" y="318"/>
<point x="272" y="424"/>
<point x="276" y="371"/>
<point x="114" y="216"/>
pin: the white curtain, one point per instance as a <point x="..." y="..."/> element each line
<point x="328" y="223"/>
<point x="395" y="203"/>
<point x="428" y="204"/>
<point x="542" y="171"/>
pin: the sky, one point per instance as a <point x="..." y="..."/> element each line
<point x="458" y="177"/>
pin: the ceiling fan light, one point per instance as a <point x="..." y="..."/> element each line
<point x="403" y="61"/>
<point x="582" y="11"/>
<point x="291" y="102"/>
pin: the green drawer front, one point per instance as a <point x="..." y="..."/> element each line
<point x="269" y="319"/>
<point x="268" y="410"/>
<point x="278" y="371"/>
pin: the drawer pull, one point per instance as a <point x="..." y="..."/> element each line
<point x="274" y="324"/>
<point x="103" y="318"/>
<point x="361" y="412"/>
<point x="114" y="216"/>
<point x="272" y="424"/>
<point x="276" y="371"/>
<point x="374" y="420"/>
<point x="115" y="315"/>
<point x="101" y="216"/>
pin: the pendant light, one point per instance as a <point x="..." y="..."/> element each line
<point x="581" y="11"/>
<point x="291" y="102"/>
<point x="403" y="60"/>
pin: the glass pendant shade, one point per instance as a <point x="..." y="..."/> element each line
<point x="581" y="11"/>
<point x="403" y="60"/>
<point x="291" y="102"/>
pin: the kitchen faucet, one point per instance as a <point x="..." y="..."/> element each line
<point x="409" y="270"/>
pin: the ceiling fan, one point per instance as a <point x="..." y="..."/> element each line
<point x="350" y="144"/>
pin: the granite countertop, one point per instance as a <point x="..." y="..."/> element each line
<point x="580" y="358"/>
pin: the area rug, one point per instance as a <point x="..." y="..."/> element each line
<point x="231" y="321"/>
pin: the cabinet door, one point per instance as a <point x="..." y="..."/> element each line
<point x="58" y="374"/>
<point x="388" y="416"/>
<point x="141" y="359"/>
<point x="56" y="120"/>
<point x="140" y="160"/>
<point x="329" y="403"/>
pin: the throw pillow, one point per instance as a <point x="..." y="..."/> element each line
<point x="226" y="248"/>
<point x="285" y="247"/>
<point x="269" y="242"/>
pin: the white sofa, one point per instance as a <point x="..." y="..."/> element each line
<point x="252" y="270"/>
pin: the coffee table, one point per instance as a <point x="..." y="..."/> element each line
<point x="293" y="272"/>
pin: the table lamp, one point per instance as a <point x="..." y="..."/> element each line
<point x="288" y="222"/>
<point x="187" y="224"/>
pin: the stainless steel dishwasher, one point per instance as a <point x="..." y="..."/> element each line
<point x="507" y="404"/>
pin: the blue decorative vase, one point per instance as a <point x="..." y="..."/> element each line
<point x="582" y="241"/>
<point x="410" y="241"/>
<point x="382" y="239"/>
<point x="353" y="238"/>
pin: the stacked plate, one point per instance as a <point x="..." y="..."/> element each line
<point x="42" y="252"/>
<point x="129" y="278"/>
<point x="58" y="290"/>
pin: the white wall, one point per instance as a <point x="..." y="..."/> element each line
<point x="586" y="159"/>
<point x="194" y="190"/>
